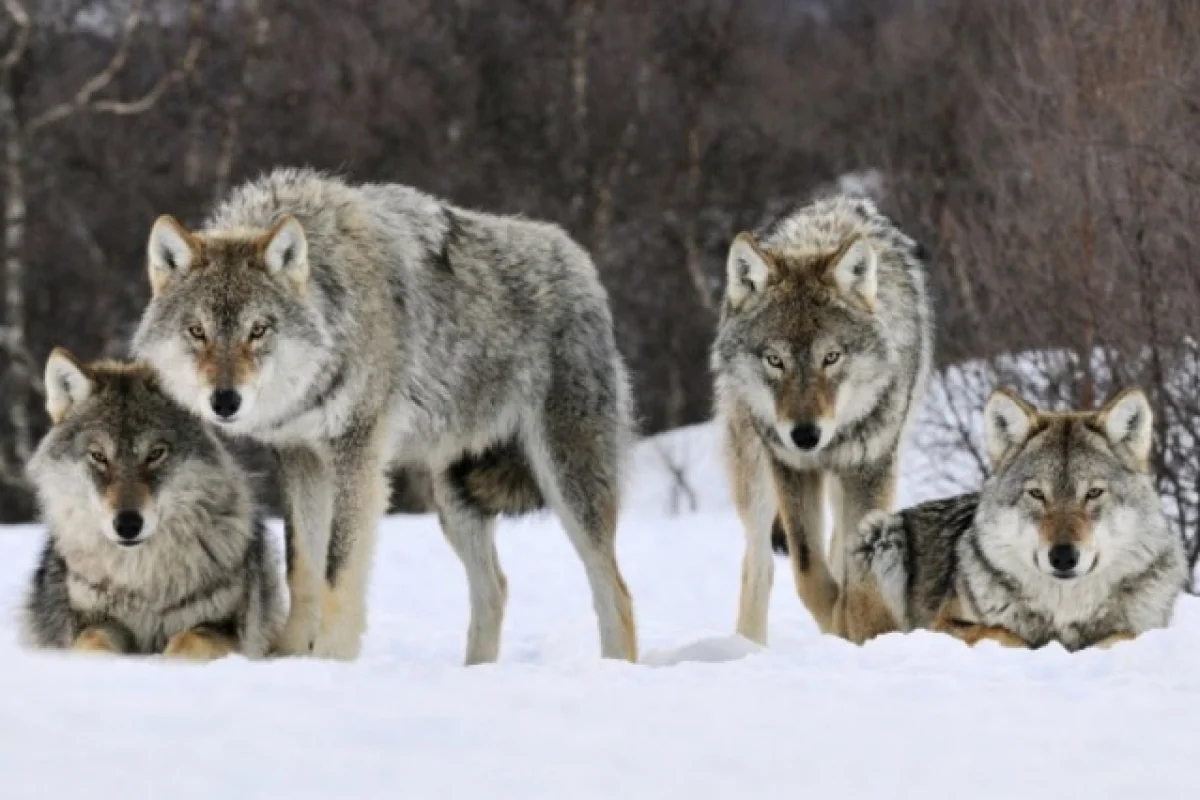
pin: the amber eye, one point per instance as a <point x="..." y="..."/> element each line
<point x="773" y="361"/>
<point x="196" y="332"/>
<point x="1037" y="494"/>
<point x="156" y="454"/>
<point x="98" y="458"/>
<point x="1094" y="492"/>
<point x="258" y="331"/>
<point x="831" y="358"/>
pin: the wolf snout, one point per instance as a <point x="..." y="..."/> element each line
<point x="1064" y="558"/>
<point x="806" y="435"/>
<point x="225" y="402"/>
<point x="128" y="525"/>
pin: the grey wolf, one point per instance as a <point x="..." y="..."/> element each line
<point x="354" y="327"/>
<point x="822" y="354"/>
<point x="1065" y="542"/>
<point x="154" y="545"/>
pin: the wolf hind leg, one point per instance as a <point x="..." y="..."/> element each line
<point x="471" y="532"/>
<point x="306" y="481"/>
<point x="576" y="468"/>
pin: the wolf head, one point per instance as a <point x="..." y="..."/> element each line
<point x="800" y="339"/>
<point x="120" y="454"/>
<point x="1071" y="493"/>
<point x="230" y="326"/>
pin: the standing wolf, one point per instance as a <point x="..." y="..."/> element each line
<point x="1065" y="542"/>
<point x="353" y="327"/>
<point x="153" y="546"/>
<point x="822" y="354"/>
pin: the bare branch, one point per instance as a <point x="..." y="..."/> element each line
<point x="24" y="29"/>
<point x="97" y="82"/>
<point x="237" y="102"/>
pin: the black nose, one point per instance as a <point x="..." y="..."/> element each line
<point x="128" y="524"/>
<point x="225" y="402"/>
<point x="1064" y="557"/>
<point x="806" y="435"/>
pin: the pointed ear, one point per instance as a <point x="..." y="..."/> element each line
<point x="67" y="384"/>
<point x="1128" y="423"/>
<point x="1007" y="421"/>
<point x="855" y="272"/>
<point x="172" y="251"/>
<point x="748" y="269"/>
<point x="285" y="250"/>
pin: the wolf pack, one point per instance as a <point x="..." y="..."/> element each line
<point x="352" y="329"/>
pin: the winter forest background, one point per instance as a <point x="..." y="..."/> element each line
<point x="1044" y="151"/>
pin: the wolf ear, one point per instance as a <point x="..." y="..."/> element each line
<point x="172" y="251"/>
<point x="1128" y="422"/>
<point x="856" y="272"/>
<point x="748" y="269"/>
<point x="285" y="250"/>
<point x="67" y="384"/>
<point x="1007" y="421"/>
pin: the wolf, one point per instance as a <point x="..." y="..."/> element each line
<point x="153" y="545"/>
<point x="1065" y="542"/>
<point x="822" y="354"/>
<point x="355" y="327"/>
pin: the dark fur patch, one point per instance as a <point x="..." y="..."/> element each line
<point x="779" y="543"/>
<point x="496" y="481"/>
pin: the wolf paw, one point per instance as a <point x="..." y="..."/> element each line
<point x="198" y="645"/>
<point x="299" y="634"/>
<point x="96" y="641"/>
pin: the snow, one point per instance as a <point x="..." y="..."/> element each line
<point x="706" y="715"/>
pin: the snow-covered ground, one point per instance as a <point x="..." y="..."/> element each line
<point x="706" y="716"/>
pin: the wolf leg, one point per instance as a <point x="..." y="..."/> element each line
<point x="472" y="534"/>
<point x="754" y="497"/>
<point x="199" y="644"/>
<point x="576" y="469"/>
<point x="801" y="500"/>
<point x="103" y="638"/>
<point x="862" y="612"/>
<point x="360" y="500"/>
<point x="307" y="485"/>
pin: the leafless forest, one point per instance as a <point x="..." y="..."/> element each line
<point x="1045" y="151"/>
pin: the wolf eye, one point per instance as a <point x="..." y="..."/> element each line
<point x="831" y="358"/>
<point x="98" y="458"/>
<point x="156" y="454"/>
<point x="1037" y="494"/>
<point x="258" y="330"/>
<point x="773" y="360"/>
<point x="1094" y="492"/>
<point x="196" y="332"/>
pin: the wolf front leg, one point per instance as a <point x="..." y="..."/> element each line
<point x="749" y="471"/>
<point x="359" y="501"/>
<point x="801" y="500"/>
<point x="862" y="612"/>
<point x="306" y="480"/>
